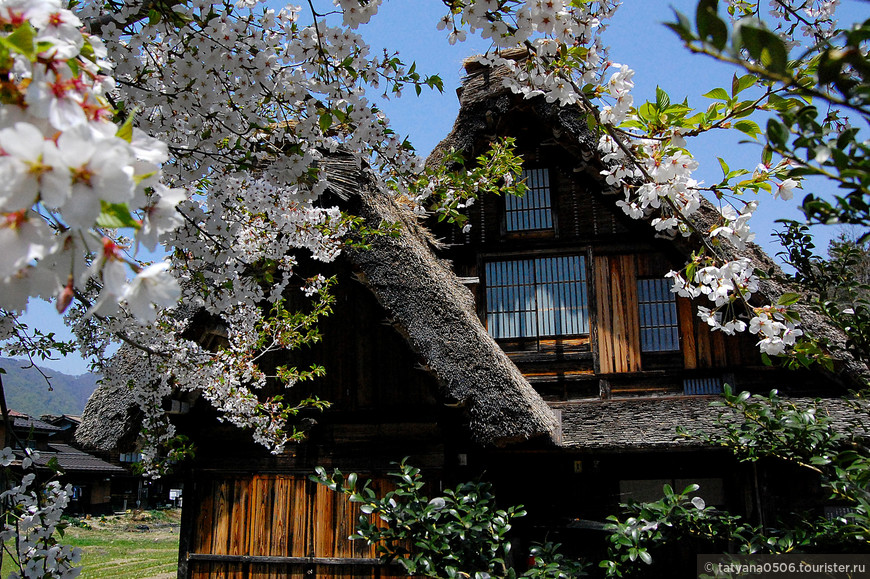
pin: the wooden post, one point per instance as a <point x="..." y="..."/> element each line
<point x="190" y="503"/>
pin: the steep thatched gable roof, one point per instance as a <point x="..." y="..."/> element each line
<point x="429" y="307"/>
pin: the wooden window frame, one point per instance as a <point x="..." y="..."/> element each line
<point x="574" y="305"/>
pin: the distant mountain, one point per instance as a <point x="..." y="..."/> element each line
<point x="27" y="391"/>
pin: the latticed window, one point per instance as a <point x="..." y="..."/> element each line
<point x="530" y="298"/>
<point x="532" y="210"/>
<point x="698" y="386"/>
<point x="659" y="328"/>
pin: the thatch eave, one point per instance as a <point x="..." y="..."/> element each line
<point x="645" y="424"/>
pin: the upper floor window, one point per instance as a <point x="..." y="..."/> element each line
<point x="534" y="298"/>
<point x="533" y="210"/>
<point x="659" y="328"/>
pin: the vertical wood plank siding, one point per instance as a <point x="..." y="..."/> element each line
<point x="239" y="523"/>
<point x="627" y="306"/>
<point x="618" y="322"/>
<point x="687" y="331"/>
<point x="223" y="503"/>
<point x="705" y="348"/>
<point x="279" y="516"/>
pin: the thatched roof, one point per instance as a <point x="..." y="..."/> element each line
<point x="430" y="308"/>
<point x="111" y="420"/>
<point x="485" y="104"/>
<point x="489" y="110"/>
<point x="638" y="424"/>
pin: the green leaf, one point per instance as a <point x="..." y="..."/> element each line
<point x="125" y="131"/>
<point x="776" y="133"/>
<point x="143" y="177"/>
<point x="54" y="465"/>
<point x="711" y="28"/>
<point x="767" y="155"/>
<point x="774" y="55"/>
<point x="87" y="51"/>
<point x="744" y="82"/>
<point x="325" y="121"/>
<point x="647" y="113"/>
<point x="788" y="299"/>
<point x="763" y="45"/>
<point x="724" y="166"/>
<point x="682" y="27"/>
<point x="154" y="17"/>
<point x="645" y="556"/>
<point x="116" y="216"/>
<point x="630" y="124"/>
<point x="662" y="99"/>
<point x="22" y="41"/>
<point x="748" y="127"/>
<point x="720" y="94"/>
<point x="435" y="81"/>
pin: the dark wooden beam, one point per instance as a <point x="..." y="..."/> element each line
<point x="275" y="560"/>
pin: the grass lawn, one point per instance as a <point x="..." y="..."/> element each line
<point x="126" y="554"/>
<point x="134" y="545"/>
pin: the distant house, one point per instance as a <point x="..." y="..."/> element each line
<point x="67" y="423"/>
<point x="91" y="477"/>
<point x="547" y="355"/>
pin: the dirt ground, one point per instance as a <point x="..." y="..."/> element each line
<point x="168" y="519"/>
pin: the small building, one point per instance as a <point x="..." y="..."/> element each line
<point x="90" y="476"/>
<point x="542" y="350"/>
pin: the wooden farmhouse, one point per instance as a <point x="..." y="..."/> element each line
<point x="542" y="351"/>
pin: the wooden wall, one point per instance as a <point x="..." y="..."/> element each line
<point x="618" y="325"/>
<point x="271" y="526"/>
<point x="618" y="343"/>
<point x="276" y="523"/>
<point x="578" y="214"/>
<point x="618" y="251"/>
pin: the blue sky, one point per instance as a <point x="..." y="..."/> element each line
<point x="637" y="38"/>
